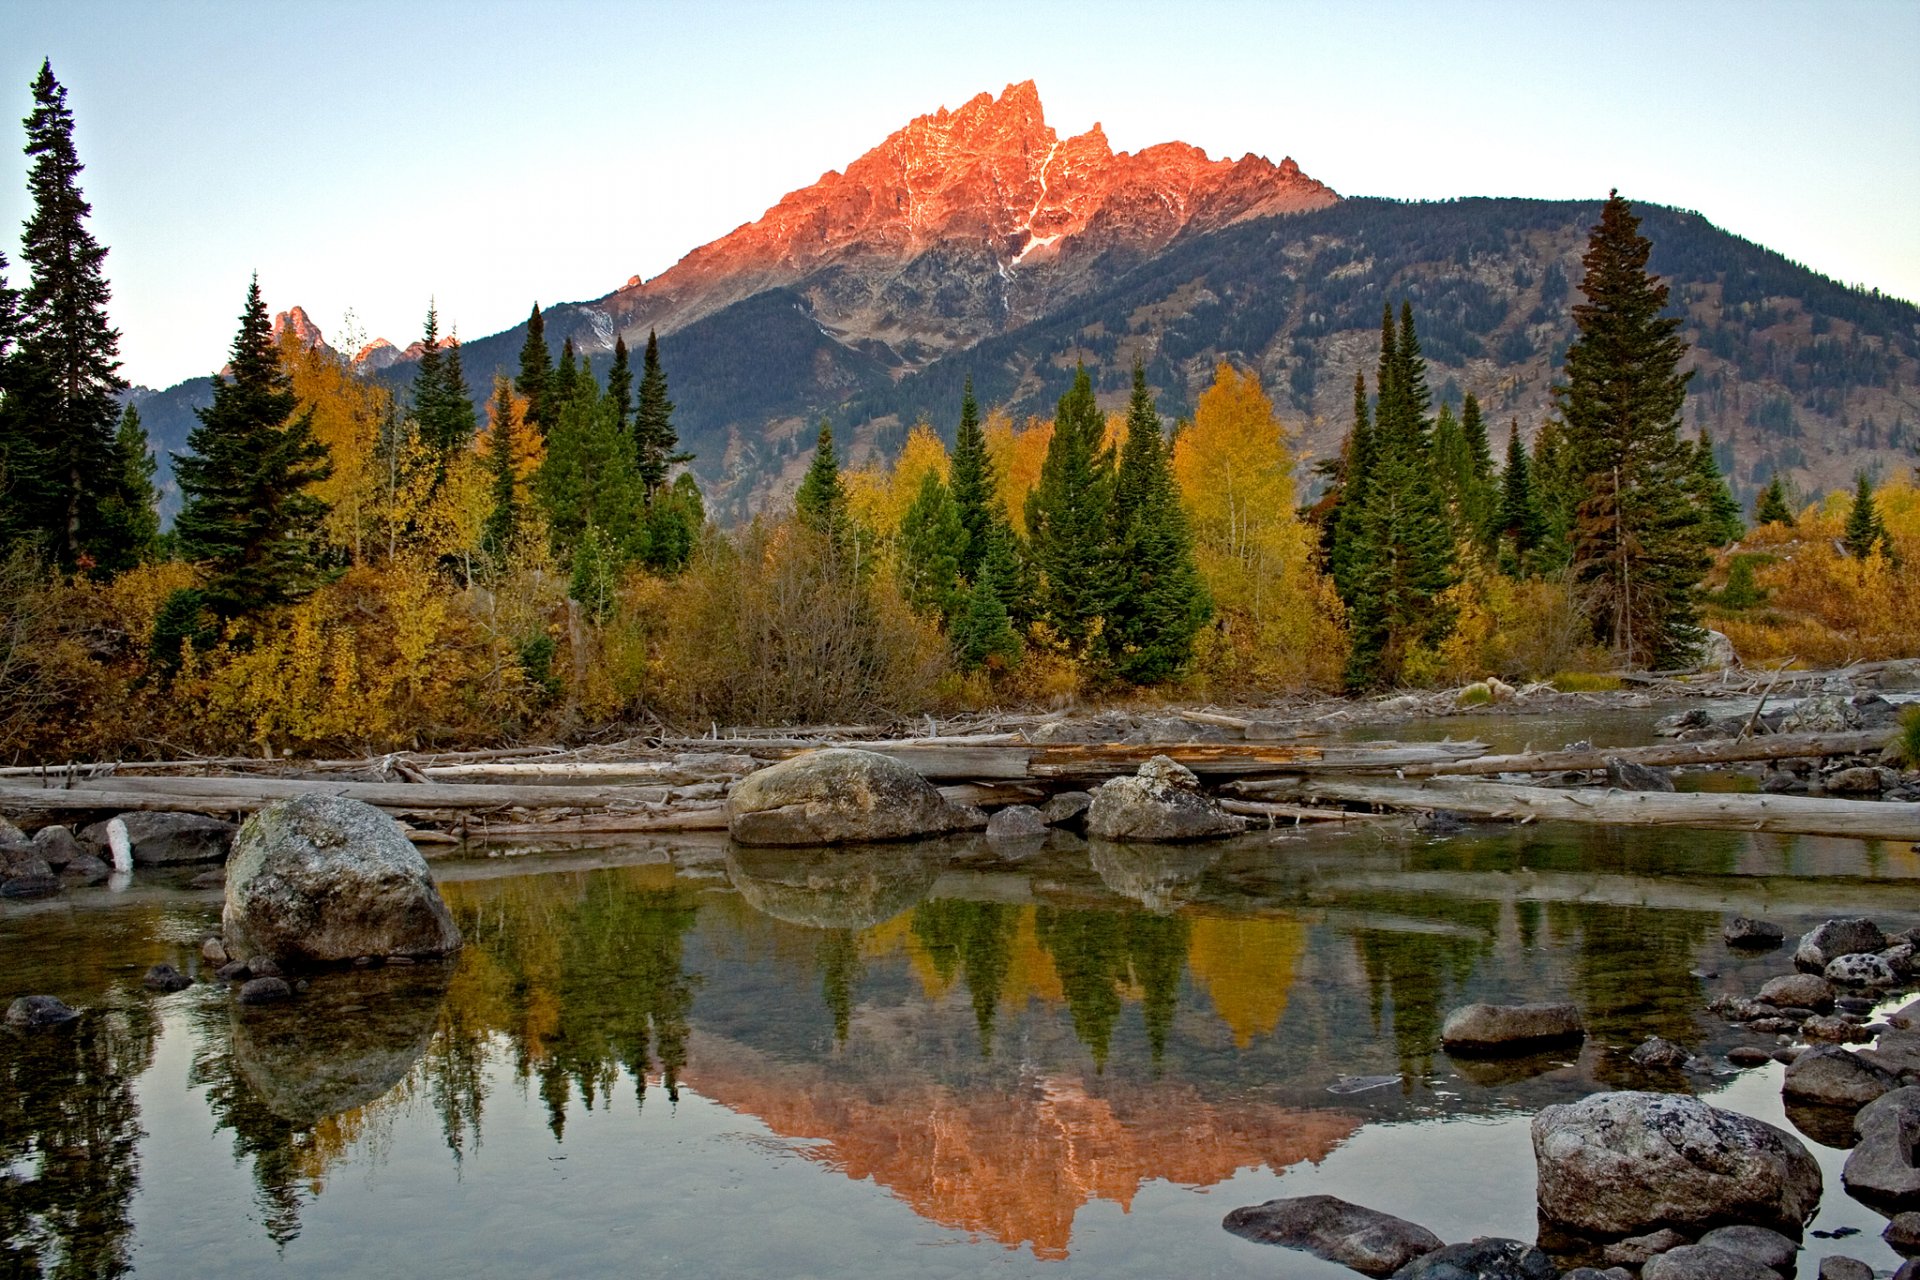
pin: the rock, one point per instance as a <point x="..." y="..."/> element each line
<point x="1614" y="1164"/>
<point x="164" y="839"/>
<point x="1702" y="1262"/>
<point x="1674" y="726"/>
<point x="1016" y="822"/>
<point x="1854" y="1004"/>
<point x="214" y="879"/>
<point x="263" y="966"/>
<point x="1768" y="1248"/>
<point x="1594" y="1273"/>
<point x="32" y="884"/>
<point x="1635" y="1250"/>
<point x="1488" y="1258"/>
<point x="57" y="846"/>
<point x="1738" y="1008"/>
<point x="1860" y="970"/>
<point x="1860" y="780"/>
<point x="10" y="834"/>
<point x="318" y="880"/>
<point x="840" y="795"/>
<point x="1747" y="1055"/>
<point x="1834" y="938"/>
<point x="1497" y="1029"/>
<point x="1898" y="1050"/>
<point x="1903" y="1233"/>
<point x="1782" y="784"/>
<point x="214" y="952"/>
<point x="1880" y="1170"/>
<point x="1822" y="713"/>
<point x="1068" y="809"/>
<point x="164" y="977"/>
<point x="1370" y="1242"/>
<point x="1625" y="775"/>
<point x="233" y="971"/>
<point x="265" y="991"/>
<point x="1836" y="1077"/>
<point x="1797" y="991"/>
<point x="1163" y="801"/>
<point x="1656" y="1052"/>
<point x="1717" y="652"/>
<point x="1899" y="958"/>
<point x="1760" y="935"/>
<point x="29" y="1013"/>
<point x="86" y="869"/>
<point x="1835" y="1030"/>
<point x="1908" y="1270"/>
<point x="1907" y="1016"/>
<point x="1839" y="1268"/>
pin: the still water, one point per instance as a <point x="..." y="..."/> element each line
<point x="684" y="1059"/>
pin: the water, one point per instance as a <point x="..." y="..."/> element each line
<point x="676" y="1059"/>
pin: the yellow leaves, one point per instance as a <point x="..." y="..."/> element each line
<point x="529" y="449"/>
<point x="1017" y="457"/>
<point x="879" y="496"/>
<point x="347" y="412"/>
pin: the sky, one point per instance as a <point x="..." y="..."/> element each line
<point x="369" y="159"/>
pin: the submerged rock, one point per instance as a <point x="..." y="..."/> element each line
<point x="168" y="839"/>
<point x="1657" y="1052"/>
<point x="1625" y="775"/>
<point x="1370" y="1242"/>
<point x="1488" y="1258"/>
<point x="1835" y="1267"/>
<point x="841" y="795"/>
<point x="1797" y="991"/>
<point x="1509" y="1028"/>
<point x="164" y="977"/>
<point x="1758" y="935"/>
<point x="322" y="880"/>
<point x="30" y="1013"/>
<point x="1162" y="802"/>
<point x="265" y="991"/>
<point x="1615" y="1164"/>
<point x="1881" y="1169"/>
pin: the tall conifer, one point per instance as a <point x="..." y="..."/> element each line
<point x="504" y="520"/>
<point x="1518" y="526"/>
<point x="1772" y="506"/>
<point x="536" y="373"/>
<point x="1067" y="519"/>
<point x="822" y="501"/>
<point x="931" y="537"/>
<point x="1343" y="523"/>
<point x="1715" y="506"/>
<point x="129" y="520"/>
<point x="1865" y="531"/>
<point x="653" y="431"/>
<point x="620" y="384"/>
<point x="563" y="384"/>
<point x="975" y="488"/>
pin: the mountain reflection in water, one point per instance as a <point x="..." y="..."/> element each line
<point x="994" y="1049"/>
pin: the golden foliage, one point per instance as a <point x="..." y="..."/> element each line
<point x="1017" y="455"/>
<point x="1514" y="627"/>
<point x="348" y="411"/>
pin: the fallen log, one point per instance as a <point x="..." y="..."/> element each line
<point x="682" y="770"/>
<point x="253" y="792"/>
<point x="1794" y="815"/>
<point x="1780" y="746"/>
<point x="1293" y="812"/>
<point x="692" y="818"/>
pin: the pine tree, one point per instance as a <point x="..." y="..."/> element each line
<point x="1718" y="510"/>
<point x="1865" y="531"/>
<point x="983" y="634"/>
<point x="620" y="384"/>
<point x="931" y="537"/>
<point x="442" y="402"/>
<point x="655" y="439"/>
<point x="1356" y="466"/>
<point x="562" y="385"/>
<point x="62" y="382"/>
<point x="1556" y="492"/>
<point x="588" y="477"/>
<point x="1159" y="602"/>
<point x="1067" y="519"/>
<point x="822" y="499"/>
<point x="248" y="514"/>
<point x="536" y="374"/>
<point x="1638" y="549"/>
<point x="1479" y="494"/>
<point x="674" y="519"/>
<point x="975" y="487"/>
<point x="1518" y="526"/>
<point x="504" y="520"/>
<point x="129" y="528"/>
<point x="1772" y="507"/>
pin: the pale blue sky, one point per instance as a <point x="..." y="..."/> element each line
<point x="370" y="156"/>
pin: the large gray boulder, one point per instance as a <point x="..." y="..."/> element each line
<point x="840" y="795"/>
<point x="1705" y="1262"/>
<point x="1828" y="941"/>
<point x="167" y="839"/>
<point x="321" y="880"/>
<point x="1509" y="1028"/>
<point x="1163" y="801"/>
<point x="1880" y="1169"/>
<point x="1836" y="1077"/>
<point x="1488" y="1258"/>
<point x="1617" y="1164"/>
<point x="1822" y="713"/>
<point x="1860" y="970"/>
<point x="1797" y="991"/>
<point x="1371" y="1242"/>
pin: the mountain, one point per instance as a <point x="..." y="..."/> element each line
<point x="976" y="242"/>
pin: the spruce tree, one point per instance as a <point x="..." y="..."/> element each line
<point x="1159" y="602"/>
<point x="536" y="373"/>
<point x="1864" y="528"/>
<point x="129" y="520"/>
<point x="1518" y="527"/>
<point x="1638" y="548"/>
<point x="1356" y="465"/>
<point x="620" y="384"/>
<point x="822" y="501"/>
<point x="983" y="634"/>
<point x="674" y="518"/>
<point x="504" y="520"/>
<point x="1479" y="494"/>
<point x="975" y="487"/>
<point x="249" y="516"/>
<point x="655" y="439"/>
<point x="1715" y="505"/>
<point x="442" y="402"/>
<point x="561" y="386"/>
<point x="1067" y="519"/>
<point x="588" y="477"/>
<point x="1556" y="491"/>
<point x="930" y="540"/>
<point x="1772" y="507"/>
<point x="63" y="380"/>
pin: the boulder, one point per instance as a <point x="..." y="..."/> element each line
<point x="1768" y="1248"/>
<point x="30" y="1013"/>
<point x="1067" y="809"/>
<point x="86" y="869"/>
<point x="1635" y="1251"/>
<point x="1510" y="1028"/>
<point x="265" y="991"/>
<point x="841" y="795"/>
<point x="1835" y="1030"/>
<point x="1749" y="1055"/>
<point x="1797" y="991"/>
<point x="1704" y="1262"/>
<point x="214" y="952"/>
<point x="1899" y="958"/>
<point x="1903" y="1233"/>
<point x="1625" y="775"/>
<point x="1488" y="1258"/>
<point x="166" y="839"/>
<point x="1615" y="1164"/>
<point x="1860" y="970"/>
<point x="1898" y="1050"/>
<point x="323" y="880"/>
<point x="10" y="834"/>
<point x="1760" y="935"/>
<point x="1832" y="1076"/>
<point x="1860" y="780"/>
<point x="1717" y="652"/>
<point x="1835" y="1267"/>
<point x="1370" y="1242"/>
<point x="164" y="977"/>
<point x="1594" y="1273"/>
<point x="1822" y="713"/>
<point x="1016" y="822"/>
<point x="57" y="846"/>
<point x="1834" y="938"/>
<point x="1162" y="802"/>
<point x="1657" y="1052"/>
<point x="1880" y="1169"/>
<point x="1906" y="1017"/>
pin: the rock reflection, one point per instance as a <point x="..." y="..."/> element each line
<point x="1157" y="876"/>
<point x="847" y="888"/>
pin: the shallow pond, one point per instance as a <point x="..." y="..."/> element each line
<point x="680" y="1059"/>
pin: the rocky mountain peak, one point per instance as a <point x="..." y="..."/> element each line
<point x="295" y="320"/>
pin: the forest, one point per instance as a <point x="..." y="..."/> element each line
<point x="358" y="567"/>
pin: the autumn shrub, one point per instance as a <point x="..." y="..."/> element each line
<point x="1520" y="628"/>
<point x="1584" y="682"/>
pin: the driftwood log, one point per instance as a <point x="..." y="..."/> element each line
<point x="1782" y="746"/>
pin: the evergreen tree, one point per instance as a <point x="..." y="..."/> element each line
<point x="1067" y="519"/>
<point x="620" y="384"/>
<point x="1714" y="503"/>
<point x="1772" y="507"/>
<point x="62" y="382"/>
<point x="975" y="487"/>
<point x="1518" y="526"/>
<point x="588" y="476"/>
<point x="931" y="537"/>
<point x="1556" y="491"/>
<point x="1159" y="602"/>
<point x="248" y="515"/>
<point x="1479" y="494"/>
<point x="596" y="567"/>
<point x="562" y="385"/>
<point x="1356" y="465"/>
<point x="654" y="437"/>
<point x="442" y="402"/>
<point x="536" y="374"/>
<point x="983" y="633"/>
<point x="1865" y="531"/>
<point x="822" y="499"/>
<point x="504" y="520"/>
<point x="674" y="519"/>
<point x="1638" y="548"/>
<point x="129" y="530"/>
